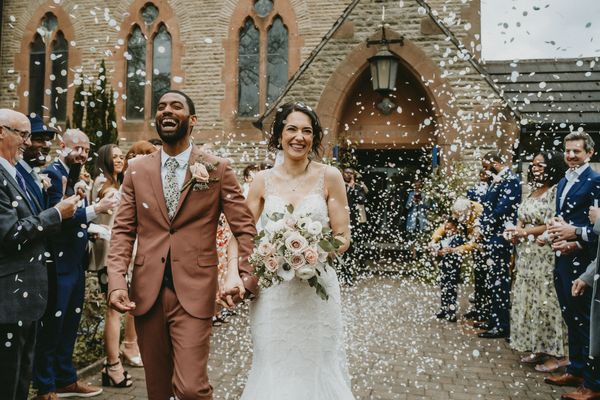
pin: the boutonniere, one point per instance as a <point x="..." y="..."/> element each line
<point x="46" y="182"/>
<point x="200" y="175"/>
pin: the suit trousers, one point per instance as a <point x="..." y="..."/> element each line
<point x="576" y="313"/>
<point x="174" y="348"/>
<point x="497" y="261"/>
<point x="482" y="295"/>
<point x="53" y="365"/>
<point x="449" y="276"/>
<point x="16" y="359"/>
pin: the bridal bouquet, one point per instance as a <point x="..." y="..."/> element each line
<point x="293" y="246"/>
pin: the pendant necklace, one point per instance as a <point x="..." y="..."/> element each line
<point x="300" y="179"/>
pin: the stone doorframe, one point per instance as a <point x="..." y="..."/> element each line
<point x="415" y="60"/>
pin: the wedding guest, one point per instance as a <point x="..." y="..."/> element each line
<point x="500" y="210"/>
<point x="108" y="175"/>
<point x="480" y="297"/>
<point x="588" y="282"/>
<point x="249" y="172"/>
<point x="357" y="199"/>
<point x="574" y="243"/>
<point x="23" y="250"/>
<point x="450" y="252"/>
<point x="156" y="142"/>
<point x="35" y="157"/>
<point x="54" y="371"/>
<point x="536" y="324"/>
<point x="138" y="149"/>
<point x="416" y="206"/>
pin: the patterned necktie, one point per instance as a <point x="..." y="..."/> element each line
<point x="23" y="186"/>
<point x="171" y="188"/>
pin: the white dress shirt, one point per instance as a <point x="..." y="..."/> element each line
<point x="182" y="158"/>
<point x="572" y="176"/>
<point x="32" y="172"/>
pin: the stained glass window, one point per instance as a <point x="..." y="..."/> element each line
<point x="161" y="64"/>
<point x="263" y="7"/>
<point x="149" y="13"/>
<point x="136" y="74"/>
<point x="248" y="64"/>
<point x="58" y="79"/>
<point x="37" y="74"/>
<point x="277" y="59"/>
<point x="49" y="23"/>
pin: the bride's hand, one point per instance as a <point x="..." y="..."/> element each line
<point x="232" y="288"/>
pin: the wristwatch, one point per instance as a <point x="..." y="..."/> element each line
<point x="578" y="232"/>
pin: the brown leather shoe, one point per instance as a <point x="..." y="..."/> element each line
<point x="564" y="380"/>
<point x="78" y="389"/>
<point x="582" y="393"/>
<point x="47" y="396"/>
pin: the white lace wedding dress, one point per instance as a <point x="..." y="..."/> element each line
<point x="298" y="338"/>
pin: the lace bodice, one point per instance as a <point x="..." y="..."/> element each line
<point x="313" y="203"/>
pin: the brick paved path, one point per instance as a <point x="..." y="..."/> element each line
<point x="396" y="350"/>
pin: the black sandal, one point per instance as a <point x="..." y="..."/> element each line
<point x="107" y="380"/>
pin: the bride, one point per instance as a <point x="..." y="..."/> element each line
<point x="298" y="338"/>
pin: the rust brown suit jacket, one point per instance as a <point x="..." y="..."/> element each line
<point x="190" y="236"/>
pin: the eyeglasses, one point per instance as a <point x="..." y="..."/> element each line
<point x="24" y="134"/>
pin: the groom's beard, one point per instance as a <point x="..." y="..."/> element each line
<point x="177" y="135"/>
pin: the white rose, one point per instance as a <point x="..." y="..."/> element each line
<point x="306" y="272"/>
<point x="290" y="221"/>
<point x="314" y="228"/>
<point x="266" y="249"/>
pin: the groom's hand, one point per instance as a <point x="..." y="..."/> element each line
<point x="229" y="298"/>
<point x="119" y="300"/>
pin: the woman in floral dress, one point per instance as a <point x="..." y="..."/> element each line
<point x="537" y="326"/>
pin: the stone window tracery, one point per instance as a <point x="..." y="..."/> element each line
<point x="149" y="59"/>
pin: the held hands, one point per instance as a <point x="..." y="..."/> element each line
<point x="119" y="300"/>
<point x="564" y="246"/>
<point x="232" y="292"/>
<point x="559" y="230"/>
<point x="578" y="287"/>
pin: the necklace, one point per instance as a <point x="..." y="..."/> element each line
<point x="300" y="178"/>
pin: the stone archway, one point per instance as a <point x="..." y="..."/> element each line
<point x="413" y="60"/>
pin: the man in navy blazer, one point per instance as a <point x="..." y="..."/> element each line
<point x="500" y="205"/>
<point x="53" y="367"/>
<point x="35" y="157"/>
<point x="23" y="278"/>
<point x="575" y="243"/>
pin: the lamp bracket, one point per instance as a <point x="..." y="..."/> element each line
<point x="385" y="41"/>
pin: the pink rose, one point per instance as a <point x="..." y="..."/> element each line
<point x="296" y="261"/>
<point x="290" y="221"/>
<point x="271" y="264"/>
<point x="199" y="172"/>
<point x="311" y="255"/>
<point x="295" y="243"/>
<point x="266" y="249"/>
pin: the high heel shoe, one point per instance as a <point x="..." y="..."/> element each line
<point x="133" y="361"/>
<point x="108" y="380"/>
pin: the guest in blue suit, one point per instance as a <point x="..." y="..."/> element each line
<point x="501" y="203"/>
<point x="35" y="157"/>
<point x="449" y="260"/>
<point x="53" y="367"/>
<point x="575" y="243"/>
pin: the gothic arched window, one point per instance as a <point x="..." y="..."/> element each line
<point x="48" y="70"/>
<point x="263" y="54"/>
<point x="149" y="60"/>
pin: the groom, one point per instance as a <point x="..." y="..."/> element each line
<point x="174" y="282"/>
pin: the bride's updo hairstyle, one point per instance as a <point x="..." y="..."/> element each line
<point x="279" y="124"/>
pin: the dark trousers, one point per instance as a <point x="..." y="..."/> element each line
<point x="576" y="313"/>
<point x="16" y="359"/>
<point x="497" y="261"/>
<point x="482" y="295"/>
<point x="449" y="276"/>
<point x="57" y="333"/>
